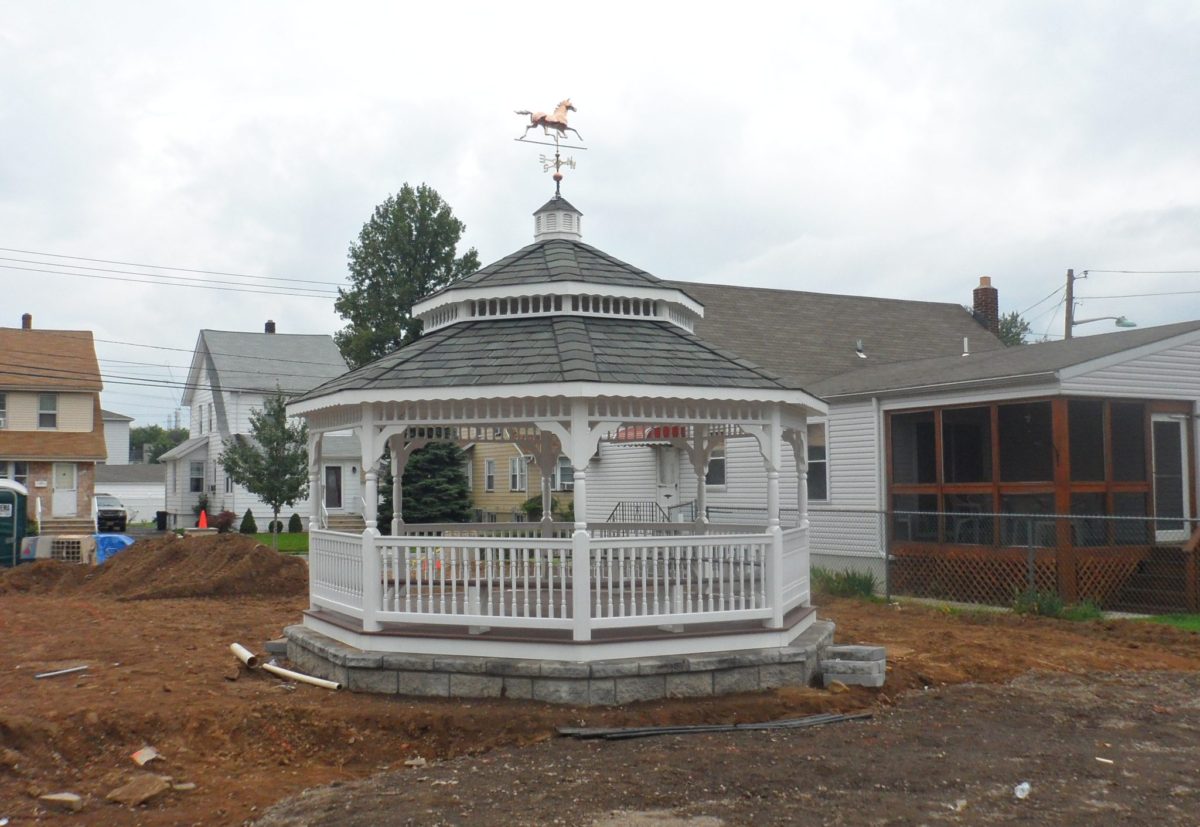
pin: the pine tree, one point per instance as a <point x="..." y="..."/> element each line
<point x="248" y="525"/>
<point x="435" y="485"/>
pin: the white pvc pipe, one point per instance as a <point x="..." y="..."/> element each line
<point x="297" y="676"/>
<point x="244" y="655"/>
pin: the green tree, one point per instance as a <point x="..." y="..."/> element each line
<point x="435" y="487"/>
<point x="1013" y="329"/>
<point x="406" y="251"/>
<point x="273" y="462"/>
<point x="159" y="440"/>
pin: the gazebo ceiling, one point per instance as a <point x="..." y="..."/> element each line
<point x="551" y="349"/>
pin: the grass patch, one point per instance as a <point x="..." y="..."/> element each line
<point x="1189" y="623"/>
<point x="1049" y="604"/>
<point x="288" y="543"/>
<point x="844" y="583"/>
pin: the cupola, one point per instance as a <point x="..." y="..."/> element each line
<point x="557" y="219"/>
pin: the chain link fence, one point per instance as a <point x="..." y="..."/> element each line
<point x="1128" y="564"/>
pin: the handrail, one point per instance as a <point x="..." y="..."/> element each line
<point x="636" y="511"/>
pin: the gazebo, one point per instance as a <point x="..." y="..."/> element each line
<point x="557" y="348"/>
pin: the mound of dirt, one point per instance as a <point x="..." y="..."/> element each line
<point x="220" y="565"/>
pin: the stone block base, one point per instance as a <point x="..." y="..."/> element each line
<point x="854" y="665"/>
<point x="601" y="683"/>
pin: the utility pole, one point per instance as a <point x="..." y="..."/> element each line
<point x="1070" y="316"/>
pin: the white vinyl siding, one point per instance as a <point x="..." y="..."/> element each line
<point x="622" y="472"/>
<point x="1169" y="374"/>
<point x="74" y="412"/>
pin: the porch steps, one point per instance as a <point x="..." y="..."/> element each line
<point x="66" y="525"/>
<point x="854" y="665"/>
<point x="349" y="523"/>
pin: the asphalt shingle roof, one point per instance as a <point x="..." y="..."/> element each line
<point x="996" y="365"/>
<point x="556" y="260"/>
<point x="556" y="349"/>
<point x="810" y="336"/>
<point x="260" y="361"/>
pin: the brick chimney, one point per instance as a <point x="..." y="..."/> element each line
<point x="269" y="327"/>
<point x="986" y="305"/>
<point x="27" y="321"/>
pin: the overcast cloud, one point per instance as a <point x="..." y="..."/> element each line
<point x="892" y="149"/>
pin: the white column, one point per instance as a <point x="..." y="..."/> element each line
<point x="372" y="568"/>
<point x="774" y="457"/>
<point x="547" y="460"/>
<point x="700" y="454"/>
<point x="581" y="541"/>
<point x="314" y="482"/>
<point x="397" y="489"/>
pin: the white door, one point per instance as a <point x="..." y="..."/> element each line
<point x="63" y="502"/>
<point x="668" y="476"/>
<point x="1172" y="489"/>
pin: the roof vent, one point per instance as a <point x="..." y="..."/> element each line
<point x="269" y="327"/>
<point x="27" y="321"/>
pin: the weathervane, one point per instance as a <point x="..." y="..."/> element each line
<point x="554" y="126"/>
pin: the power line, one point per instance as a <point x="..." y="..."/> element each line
<point x="1142" y="295"/>
<point x="168" y="278"/>
<point x="219" y="353"/>
<point x="1051" y="294"/>
<point x="1148" y="272"/>
<point x="163" y="267"/>
<point x="279" y="292"/>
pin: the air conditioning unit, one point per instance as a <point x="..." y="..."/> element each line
<point x="68" y="549"/>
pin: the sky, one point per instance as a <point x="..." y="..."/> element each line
<point x="898" y="149"/>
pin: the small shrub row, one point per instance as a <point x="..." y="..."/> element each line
<point x="249" y="526"/>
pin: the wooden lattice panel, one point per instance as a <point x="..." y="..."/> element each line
<point x="1100" y="575"/>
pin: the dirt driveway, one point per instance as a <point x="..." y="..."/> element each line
<point x="1099" y="749"/>
<point x="159" y="674"/>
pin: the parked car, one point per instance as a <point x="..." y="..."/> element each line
<point x="111" y="515"/>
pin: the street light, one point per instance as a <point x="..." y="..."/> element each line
<point x="1121" y="321"/>
<point x="1071" y="321"/>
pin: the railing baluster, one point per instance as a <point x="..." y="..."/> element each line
<point x="491" y="608"/>
<point x="537" y="582"/>
<point x="441" y="564"/>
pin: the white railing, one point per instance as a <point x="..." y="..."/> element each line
<point x="521" y="581"/>
<point x="675" y="580"/>
<point x="464" y="575"/>
<point x="335" y="571"/>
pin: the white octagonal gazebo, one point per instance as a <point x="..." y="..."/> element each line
<point x="556" y="347"/>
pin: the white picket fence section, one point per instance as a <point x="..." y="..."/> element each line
<point x="465" y="576"/>
<point x="519" y="581"/>
<point x="678" y="580"/>
<point x="335" y="573"/>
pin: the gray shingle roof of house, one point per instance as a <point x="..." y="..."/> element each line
<point x="260" y="361"/>
<point x="134" y="473"/>
<point x="183" y="449"/>
<point x="557" y="260"/>
<point x="1007" y="364"/>
<point x="556" y="349"/>
<point x="810" y="336"/>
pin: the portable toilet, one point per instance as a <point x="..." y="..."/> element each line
<point x="12" y="520"/>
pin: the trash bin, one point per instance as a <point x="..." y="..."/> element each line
<point x="160" y="520"/>
<point x="13" y="497"/>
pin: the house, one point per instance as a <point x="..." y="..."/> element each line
<point x="116" y="437"/>
<point x="139" y="486"/>
<point x="51" y="428"/>
<point x="231" y="374"/>
<point x="502" y="477"/>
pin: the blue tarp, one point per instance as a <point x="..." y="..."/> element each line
<point x="109" y="544"/>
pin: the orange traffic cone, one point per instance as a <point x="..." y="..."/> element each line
<point x="203" y="519"/>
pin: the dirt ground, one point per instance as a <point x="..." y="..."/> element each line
<point x="160" y="674"/>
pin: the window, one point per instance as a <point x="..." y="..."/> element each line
<point x="228" y="484"/>
<point x="3" y="410"/>
<point x="198" y="420"/>
<point x="518" y="472"/>
<point x="196" y="475"/>
<point x="716" y="468"/>
<point x="818" y="476"/>
<point x="469" y="472"/>
<point x="1128" y="441"/>
<point x="15" y="471"/>
<point x="48" y="410"/>
<point x="1085" y="426"/>
<point x="210" y="417"/>
<point x="914" y="447"/>
<point x="1026" y="442"/>
<point x="489" y="475"/>
<point x="171" y="471"/>
<point x="967" y="445"/>
<point x="564" y="475"/>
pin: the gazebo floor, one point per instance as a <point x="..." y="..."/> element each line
<point x="617" y="666"/>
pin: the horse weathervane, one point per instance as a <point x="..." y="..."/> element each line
<point x="554" y="126"/>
